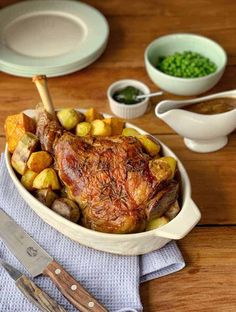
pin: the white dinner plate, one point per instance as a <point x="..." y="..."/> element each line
<point x="50" y="37"/>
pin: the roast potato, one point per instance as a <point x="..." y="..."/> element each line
<point x="24" y="148"/>
<point x="161" y="202"/>
<point x="100" y="128"/>
<point x="15" y="127"/>
<point x="66" y="208"/>
<point x="172" y="212"/>
<point x="83" y="128"/>
<point x="156" y="223"/>
<point x="39" y="161"/>
<point x="116" y="124"/>
<point x="28" y="178"/>
<point x="47" y="179"/>
<point x="92" y="114"/>
<point x="160" y="169"/>
<point x="46" y="196"/>
<point x="151" y="147"/>
<point x="68" y="118"/>
<point x="130" y="132"/>
<point x="171" y="162"/>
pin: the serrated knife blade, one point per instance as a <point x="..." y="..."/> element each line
<point x="37" y="261"/>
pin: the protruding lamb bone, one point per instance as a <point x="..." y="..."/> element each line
<point x="162" y="201"/>
<point x="41" y="84"/>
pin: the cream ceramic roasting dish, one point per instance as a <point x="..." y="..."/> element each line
<point x="123" y="244"/>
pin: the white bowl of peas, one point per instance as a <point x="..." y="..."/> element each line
<point x="185" y="64"/>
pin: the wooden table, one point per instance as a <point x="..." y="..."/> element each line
<point x="208" y="283"/>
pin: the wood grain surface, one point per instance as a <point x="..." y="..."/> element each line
<point x="37" y="296"/>
<point x="208" y="283"/>
<point x="71" y="289"/>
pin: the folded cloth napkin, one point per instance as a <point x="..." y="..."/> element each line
<point x="112" y="279"/>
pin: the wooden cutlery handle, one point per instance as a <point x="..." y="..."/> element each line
<point x="71" y="289"/>
<point x="37" y="296"/>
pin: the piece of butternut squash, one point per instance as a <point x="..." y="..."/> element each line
<point x="116" y="124"/>
<point x="92" y="114"/>
<point x="15" y="127"/>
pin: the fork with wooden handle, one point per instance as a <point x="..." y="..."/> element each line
<point x="32" y="292"/>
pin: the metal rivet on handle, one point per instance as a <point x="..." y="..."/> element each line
<point x="91" y="304"/>
<point x="57" y="271"/>
<point x="73" y="287"/>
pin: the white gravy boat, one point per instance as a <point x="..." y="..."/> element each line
<point x="202" y="133"/>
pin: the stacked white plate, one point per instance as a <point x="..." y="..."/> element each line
<point x="50" y="37"/>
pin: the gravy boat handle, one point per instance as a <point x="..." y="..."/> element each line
<point x="166" y="105"/>
<point x="183" y="223"/>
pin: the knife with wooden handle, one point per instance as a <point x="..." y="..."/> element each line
<point x="36" y="260"/>
<point x="32" y="292"/>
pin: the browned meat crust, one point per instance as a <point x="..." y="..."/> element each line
<point x="116" y="184"/>
<point x="110" y="179"/>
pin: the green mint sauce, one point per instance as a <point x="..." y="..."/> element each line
<point x="127" y="95"/>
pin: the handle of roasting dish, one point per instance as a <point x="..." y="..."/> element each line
<point x="183" y="223"/>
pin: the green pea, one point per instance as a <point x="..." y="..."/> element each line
<point x="186" y="64"/>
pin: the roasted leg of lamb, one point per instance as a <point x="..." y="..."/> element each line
<point x="116" y="184"/>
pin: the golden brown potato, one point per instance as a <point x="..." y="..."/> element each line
<point x="151" y="147"/>
<point x="100" y="128"/>
<point x="25" y="147"/>
<point x="15" y="127"/>
<point x="68" y="118"/>
<point x="46" y="196"/>
<point x="171" y="162"/>
<point x="28" y="178"/>
<point x="92" y="114"/>
<point x="66" y="208"/>
<point x="160" y="169"/>
<point x="116" y="124"/>
<point x="173" y="211"/>
<point x="39" y="161"/>
<point x="83" y="128"/>
<point x="156" y="223"/>
<point x="47" y="179"/>
<point x="130" y="132"/>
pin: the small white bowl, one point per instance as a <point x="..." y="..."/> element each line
<point x="168" y="45"/>
<point x="124" y="110"/>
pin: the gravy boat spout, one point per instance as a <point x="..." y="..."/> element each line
<point x="202" y="133"/>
